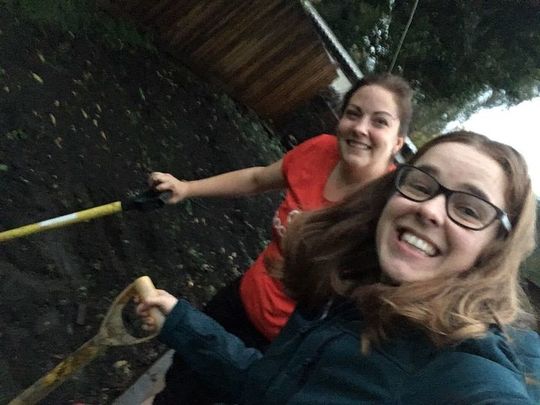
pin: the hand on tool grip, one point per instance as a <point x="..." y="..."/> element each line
<point x="154" y="305"/>
<point x="167" y="182"/>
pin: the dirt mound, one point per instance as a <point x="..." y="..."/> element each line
<point x="81" y="125"/>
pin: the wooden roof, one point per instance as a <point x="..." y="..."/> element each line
<point x="266" y="53"/>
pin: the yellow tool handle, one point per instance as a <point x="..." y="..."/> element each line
<point x="42" y="387"/>
<point x="64" y="220"/>
<point x="86" y="353"/>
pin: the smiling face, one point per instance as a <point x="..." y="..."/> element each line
<point x="368" y="130"/>
<point x="417" y="241"/>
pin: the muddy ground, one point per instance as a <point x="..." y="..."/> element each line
<point x="81" y="125"/>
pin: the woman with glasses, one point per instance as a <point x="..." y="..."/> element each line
<point x="408" y="292"/>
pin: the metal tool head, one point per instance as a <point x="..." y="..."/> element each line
<point x="148" y="200"/>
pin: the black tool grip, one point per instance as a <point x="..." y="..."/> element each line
<point x="148" y="200"/>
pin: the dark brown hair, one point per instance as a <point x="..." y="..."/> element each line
<point x="394" y="84"/>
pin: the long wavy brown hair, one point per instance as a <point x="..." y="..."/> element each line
<point x="332" y="252"/>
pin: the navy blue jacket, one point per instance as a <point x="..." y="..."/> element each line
<point x="317" y="360"/>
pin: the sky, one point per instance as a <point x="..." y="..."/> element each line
<point x="518" y="126"/>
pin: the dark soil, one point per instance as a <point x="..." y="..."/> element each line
<point x="81" y="125"/>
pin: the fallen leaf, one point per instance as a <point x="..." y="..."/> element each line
<point x="141" y="93"/>
<point x="121" y="364"/>
<point x="37" y="78"/>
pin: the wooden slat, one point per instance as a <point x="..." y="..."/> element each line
<point x="266" y="52"/>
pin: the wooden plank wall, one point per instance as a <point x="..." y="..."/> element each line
<point x="265" y="52"/>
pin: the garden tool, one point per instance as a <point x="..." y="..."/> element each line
<point x="146" y="201"/>
<point x="112" y="332"/>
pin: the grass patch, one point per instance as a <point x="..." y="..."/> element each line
<point x="81" y="17"/>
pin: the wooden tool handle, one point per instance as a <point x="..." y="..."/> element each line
<point x="145" y="288"/>
<point x="74" y="362"/>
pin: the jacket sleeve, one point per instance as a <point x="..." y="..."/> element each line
<point x="220" y="358"/>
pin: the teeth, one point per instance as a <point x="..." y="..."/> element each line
<point x="419" y="244"/>
<point x="358" y="145"/>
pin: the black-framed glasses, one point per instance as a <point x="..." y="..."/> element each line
<point x="465" y="209"/>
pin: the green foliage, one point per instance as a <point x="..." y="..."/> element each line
<point x="347" y="13"/>
<point x="16" y="134"/>
<point x="251" y="129"/>
<point x="68" y="14"/>
<point x="458" y="51"/>
<point x="360" y="25"/>
<point x="531" y="267"/>
<point x="460" y="55"/>
<point x="81" y="17"/>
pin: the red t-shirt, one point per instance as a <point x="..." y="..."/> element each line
<point x="306" y="169"/>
